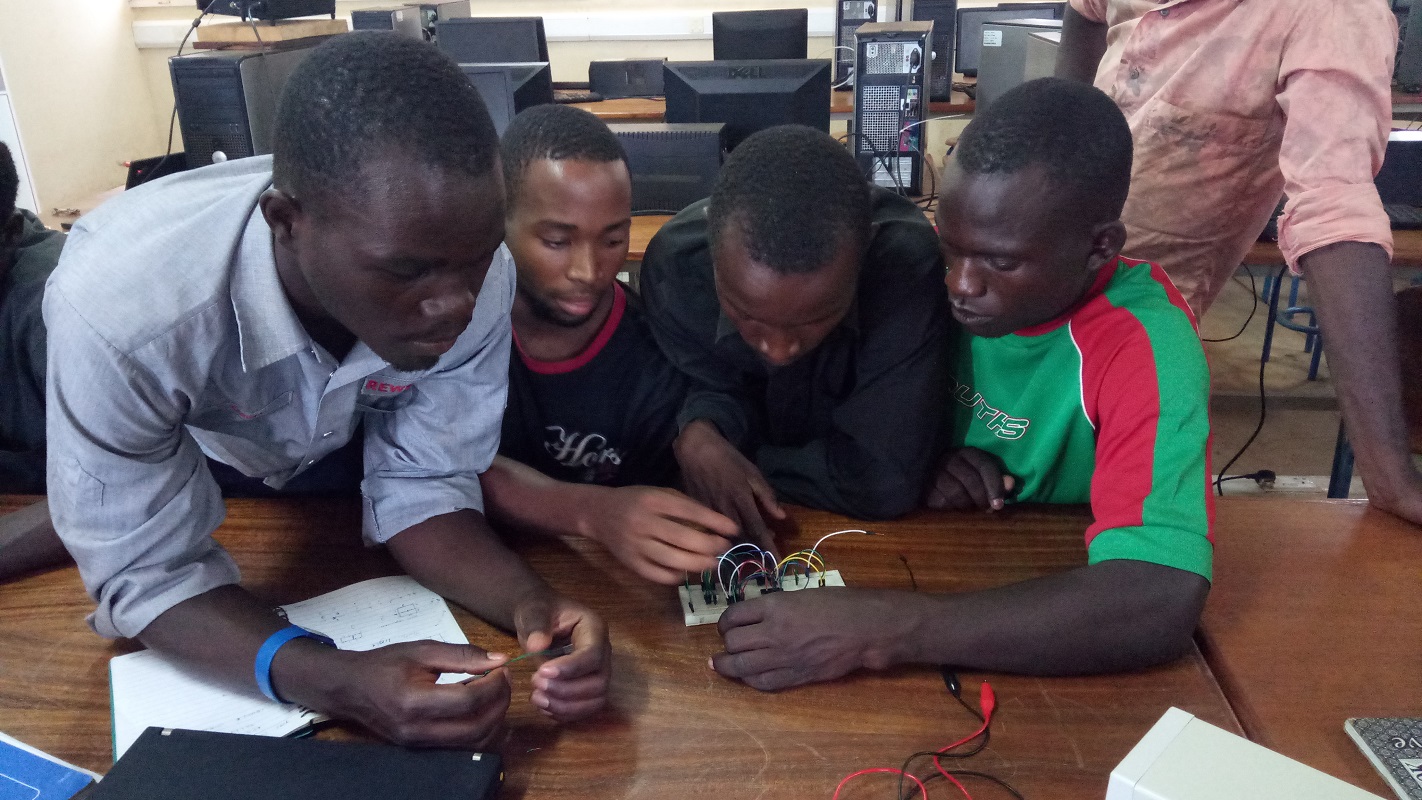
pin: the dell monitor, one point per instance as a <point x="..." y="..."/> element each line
<point x="749" y="95"/>
<point x="970" y="28"/>
<point x="496" y="89"/>
<point x="493" y="40"/>
<point x="744" y="35"/>
<point x="530" y="85"/>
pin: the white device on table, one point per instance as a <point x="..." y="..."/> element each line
<point x="1183" y="758"/>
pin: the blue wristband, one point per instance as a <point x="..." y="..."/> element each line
<point x="263" y="665"/>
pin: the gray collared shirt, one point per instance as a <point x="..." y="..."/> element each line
<point x="171" y="337"/>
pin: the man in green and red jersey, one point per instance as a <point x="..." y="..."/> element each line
<point x="1080" y="377"/>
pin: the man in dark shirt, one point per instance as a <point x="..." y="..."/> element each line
<point x="28" y="253"/>
<point x="592" y="401"/>
<point x="807" y="308"/>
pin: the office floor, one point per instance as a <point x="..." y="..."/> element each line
<point x="1301" y="424"/>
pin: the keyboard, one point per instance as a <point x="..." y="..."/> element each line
<point x="1403" y="218"/>
<point x="576" y="96"/>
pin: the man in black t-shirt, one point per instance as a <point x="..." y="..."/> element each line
<point x="592" y="402"/>
<point x="807" y="308"/>
<point x="28" y="254"/>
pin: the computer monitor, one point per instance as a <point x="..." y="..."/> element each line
<point x="1399" y="181"/>
<point x="493" y="40"/>
<point x="744" y="35"/>
<point x="970" y="28"/>
<point x="531" y="83"/>
<point x="749" y="95"/>
<point x="494" y="86"/>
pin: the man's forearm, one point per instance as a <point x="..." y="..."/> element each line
<point x="1083" y="45"/>
<point x="459" y="557"/>
<point x="519" y="496"/>
<point x="1350" y="286"/>
<point x="28" y="542"/>
<point x="1109" y="617"/>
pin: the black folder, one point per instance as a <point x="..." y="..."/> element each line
<point x="172" y="764"/>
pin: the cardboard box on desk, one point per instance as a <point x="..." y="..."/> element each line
<point x="1183" y="758"/>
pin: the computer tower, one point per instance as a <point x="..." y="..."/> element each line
<point x="631" y="78"/>
<point x="944" y="15"/>
<point x="404" y="20"/>
<point x="227" y="100"/>
<point x="493" y="40"/>
<point x="1003" y="64"/>
<point x="1399" y="181"/>
<point x="968" y="31"/>
<point x="890" y="102"/>
<point x="432" y="13"/>
<point x="672" y="165"/>
<point x="848" y="16"/>
<point x="1408" y="73"/>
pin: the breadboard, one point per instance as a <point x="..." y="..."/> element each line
<point x="696" y="611"/>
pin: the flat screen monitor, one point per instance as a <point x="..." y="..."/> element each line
<point x="749" y="95"/>
<point x="742" y="35"/>
<point x="495" y="88"/>
<point x="531" y="84"/>
<point x="970" y="28"/>
<point x="493" y="40"/>
<point x="1399" y="181"/>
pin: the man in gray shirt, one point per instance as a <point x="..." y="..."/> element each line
<point x="255" y="312"/>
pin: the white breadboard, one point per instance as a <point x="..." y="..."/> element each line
<point x="696" y="611"/>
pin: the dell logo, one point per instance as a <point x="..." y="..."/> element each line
<point x="749" y="71"/>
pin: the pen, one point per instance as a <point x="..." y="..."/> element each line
<point x="551" y="652"/>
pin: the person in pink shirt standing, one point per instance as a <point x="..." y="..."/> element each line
<point x="1232" y="104"/>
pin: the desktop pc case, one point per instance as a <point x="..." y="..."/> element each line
<point x="404" y="20"/>
<point x="890" y="102"/>
<point x="1012" y="55"/>
<point x="944" y="16"/>
<point x="227" y="100"/>
<point x="641" y="77"/>
<point x="672" y="165"/>
<point x="848" y="16"/>
<point x="1408" y="72"/>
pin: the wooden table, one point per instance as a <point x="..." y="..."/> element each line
<point x="1406" y="247"/>
<point x="1314" y="619"/>
<point x="654" y="109"/>
<point x="674" y="728"/>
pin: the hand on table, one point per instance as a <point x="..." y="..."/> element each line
<point x="967" y="479"/>
<point x="719" y="476"/>
<point x="573" y="686"/>
<point x="785" y="639"/>
<point x="392" y="691"/>
<point x="659" y="533"/>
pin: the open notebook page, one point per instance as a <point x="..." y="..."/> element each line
<point x="150" y="690"/>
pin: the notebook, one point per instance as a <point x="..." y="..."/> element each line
<point x="1394" y="745"/>
<point x="29" y="774"/>
<point x="149" y="690"/>
<point x="166" y="764"/>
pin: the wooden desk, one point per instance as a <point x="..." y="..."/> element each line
<point x="1313" y="619"/>
<point x="675" y="728"/>
<point x="654" y="109"/>
<point x="1406" y="247"/>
